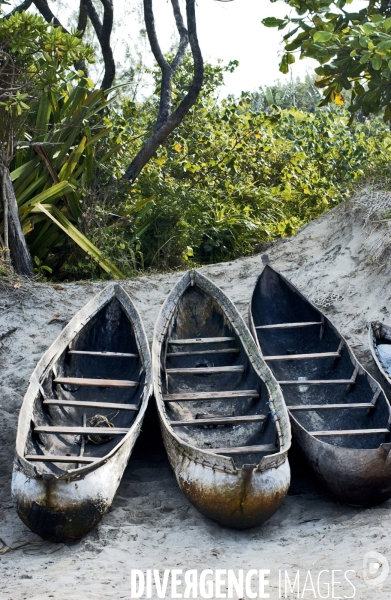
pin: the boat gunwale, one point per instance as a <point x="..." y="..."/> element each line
<point x="371" y="380"/>
<point x="280" y="413"/>
<point x="373" y="349"/>
<point x="53" y="353"/>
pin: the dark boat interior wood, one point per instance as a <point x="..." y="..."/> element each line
<point x="100" y="373"/>
<point x="332" y="400"/>
<point x="315" y="380"/>
<point x="224" y="423"/>
<point x="80" y="418"/>
<point x="223" y="367"/>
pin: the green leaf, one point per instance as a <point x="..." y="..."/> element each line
<point x="273" y="22"/>
<point x="322" y="36"/>
<point x="376" y="62"/>
<point x="61" y="221"/>
<point x="56" y="191"/>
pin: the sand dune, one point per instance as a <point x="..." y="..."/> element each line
<point x="151" y="525"/>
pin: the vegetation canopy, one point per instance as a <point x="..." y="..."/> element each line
<point x="98" y="182"/>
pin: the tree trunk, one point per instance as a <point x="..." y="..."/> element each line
<point x="20" y="254"/>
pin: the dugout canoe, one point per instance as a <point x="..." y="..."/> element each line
<point x="224" y="423"/>
<point x="340" y="416"/>
<point x="380" y="346"/>
<point x="80" y="418"/>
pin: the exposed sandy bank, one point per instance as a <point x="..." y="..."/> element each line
<point x="151" y="524"/>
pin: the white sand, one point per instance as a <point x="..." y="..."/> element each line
<point x="151" y="524"/>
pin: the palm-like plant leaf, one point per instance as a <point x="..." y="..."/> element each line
<point x="50" y="180"/>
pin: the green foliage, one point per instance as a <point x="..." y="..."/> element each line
<point x="34" y="58"/>
<point x="43" y="48"/>
<point x="353" y="49"/>
<point x="228" y="179"/>
<point x="294" y="93"/>
<point x="43" y="101"/>
<point x="51" y="180"/>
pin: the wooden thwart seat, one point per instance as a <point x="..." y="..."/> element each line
<point x="92" y="353"/>
<point x="318" y="382"/>
<point x="330" y="406"/>
<point x="61" y="459"/>
<point x="211" y="340"/>
<point x="187" y="396"/>
<point x="81" y="430"/>
<point x="244" y="449"/>
<point x="349" y="432"/>
<point x="199" y="370"/>
<point x="96" y="382"/>
<point x="202" y="352"/>
<point x="220" y="421"/>
<point x="303" y="356"/>
<point x="289" y="325"/>
<point x="77" y="403"/>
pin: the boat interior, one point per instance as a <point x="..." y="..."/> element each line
<point x="324" y="387"/>
<point x="89" y="397"/>
<point x="382" y="338"/>
<point x="213" y="397"/>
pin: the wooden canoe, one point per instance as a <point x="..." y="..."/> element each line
<point x="339" y="414"/>
<point x="80" y="418"/>
<point x="380" y="345"/>
<point x="224" y="423"/>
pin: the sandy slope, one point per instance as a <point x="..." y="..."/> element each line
<point x="151" y="524"/>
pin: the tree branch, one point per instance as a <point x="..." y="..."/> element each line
<point x="103" y="33"/>
<point x="93" y="16"/>
<point x="183" y="36"/>
<point x="107" y="27"/>
<point x="47" y="14"/>
<point x="160" y="135"/>
<point x="82" y="20"/>
<point x="24" y="6"/>
<point x="167" y="69"/>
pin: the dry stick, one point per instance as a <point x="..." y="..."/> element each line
<point x="5" y="218"/>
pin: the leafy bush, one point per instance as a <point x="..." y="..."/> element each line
<point x="230" y="178"/>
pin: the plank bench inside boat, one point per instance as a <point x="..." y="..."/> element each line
<point x="331" y="406"/>
<point x="211" y="340"/>
<point x="318" y="382"/>
<point x="203" y="352"/>
<point x="96" y="382"/>
<point x="109" y="354"/>
<point x="199" y="370"/>
<point x="350" y="432"/>
<point x="220" y="421"/>
<point x="289" y="325"/>
<point x="81" y="430"/>
<point x="303" y="356"/>
<point x="86" y="404"/>
<point x="210" y="395"/>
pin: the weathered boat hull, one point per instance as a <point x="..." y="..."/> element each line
<point x="378" y="331"/>
<point x="355" y="476"/>
<point x="66" y="506"/>
<point x="234" y="495"/>
<point x="356" y="468"/>
<point x="66" y="509"/>
<point x="236" y="498"/>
